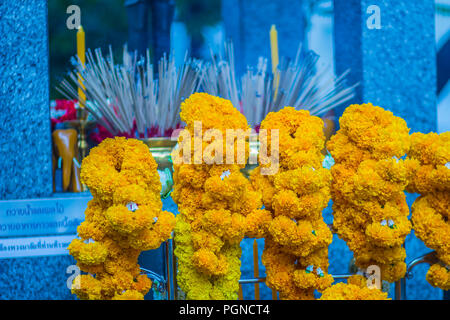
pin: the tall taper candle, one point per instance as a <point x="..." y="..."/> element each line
<point x="81" y="52"/>
<point x="274" y="48"/>
<point x="274" y="54"/>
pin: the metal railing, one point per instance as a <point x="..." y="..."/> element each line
<point x="168" y="284"/>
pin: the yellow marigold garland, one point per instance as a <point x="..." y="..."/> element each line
<point x="214" y="203"/>
<point x="430" y="154"/>
<point x="369" y="206"/>
<point x="297" y="238"/>
<point x="123" y="219"/>
<point x="355" y="289"/>
<point x="439" y="276"/>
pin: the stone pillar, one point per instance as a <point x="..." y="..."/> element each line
<point x="25" y="137"/>
<point x="25" y="141"/>
<point x="390" y="48"/>
<point x="395" y="61"/>
<point x="248" y="22"/>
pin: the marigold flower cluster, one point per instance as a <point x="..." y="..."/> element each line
<point x="217" y="206"/>
<point x="297" y="238"/>
<point x="369" y="205"/>
<point x="355" y="289"/>
<point x="123" y="219"/>
<point x="430" y="154"/>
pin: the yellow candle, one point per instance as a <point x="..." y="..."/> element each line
<point x="274" y="54"/>
<point x="81" y="52"/>
<point x="256" y="268"/>
<point x="274" y="48"/>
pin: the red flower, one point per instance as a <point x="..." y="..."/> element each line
<point x="70" y="112"/>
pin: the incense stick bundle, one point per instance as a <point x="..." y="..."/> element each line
<point x="126" y="98"/>
<point x="257" y="93"/>
<point x="302" y="84"/>
<point x="220" y="78"/>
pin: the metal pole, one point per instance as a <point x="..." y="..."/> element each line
<point x="174" y="272"/>
<point x="398" y="290"/>
<point x="263" y="279"/>
<point x="168" y="278"/>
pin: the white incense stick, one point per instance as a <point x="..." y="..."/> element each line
<point x="125" y="96"/>
<point x="303" y="84"/>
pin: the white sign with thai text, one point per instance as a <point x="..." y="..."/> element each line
<point x="35" y="246"/>
<point x="36" y="217"/>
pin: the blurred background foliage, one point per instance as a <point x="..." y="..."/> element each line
<point x="105" y="23"/>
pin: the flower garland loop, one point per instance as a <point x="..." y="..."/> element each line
<point x="430" y="154"/>
<point x="123" y="219"/>
<point x="355" y="289"/>
<point x="297" y="238"/>
<point x="369" y="205"/>
<point x="217" y="206"/>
